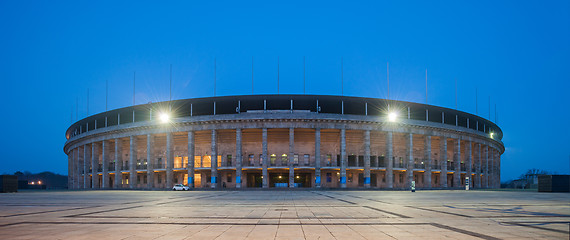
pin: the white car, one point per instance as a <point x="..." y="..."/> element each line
<point x="180" y="187"/>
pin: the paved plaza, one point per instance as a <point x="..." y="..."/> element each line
<point x="303" y="214"/>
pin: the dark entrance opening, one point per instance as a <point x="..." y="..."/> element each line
<point x="302" y="179"/>
<point x="279" y="180"/>
<point x="254" y="180"/>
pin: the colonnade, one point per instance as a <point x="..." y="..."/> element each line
<point x="91" y="166"/>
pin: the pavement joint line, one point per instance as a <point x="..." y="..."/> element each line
<point x="437" y="211"/>
<point x="529" y="225"/>
<point x="388" y="212"/>
<point x="470" y="233"/>
<point x="50" y="211"/>
<point x="103" y="211"/>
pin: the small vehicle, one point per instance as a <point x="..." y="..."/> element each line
<point x="180" y="187"/>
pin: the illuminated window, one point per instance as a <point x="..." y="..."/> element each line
<point x="329" y="158"/>
<point x="272" y="159"/>
<point x="177" y="162"/>
<point x="219" y="160"/>
<point x="284" y="159"/>
<point x="206" y="161"/>
<point x="197" y="179"/>
<point x="197" y="161"/>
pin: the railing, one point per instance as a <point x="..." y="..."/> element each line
<point x="419" y="166"/>
<point x="450" y="166"/>
<point x="159" y="166"/>
<point x="399" y="165"/>
<point x="141" y="166"/>
<point x="435" y="166"/>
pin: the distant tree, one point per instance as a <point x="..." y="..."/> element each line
<point x="18" y="173"/>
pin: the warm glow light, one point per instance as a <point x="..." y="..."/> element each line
<point x="33" y="183"/>
<point x="39" y="182"/>
<point x="279" y="177"/>
<point x="492" y="133"/>
<point x="392" y="116"/>
<point x="164" y="117"/>
<point x="297" y="176"/>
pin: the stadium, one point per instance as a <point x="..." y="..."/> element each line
<point x="284" y="141"/>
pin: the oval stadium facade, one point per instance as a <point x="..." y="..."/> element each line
<point x="284" y="141"/>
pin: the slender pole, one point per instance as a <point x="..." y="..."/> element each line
<point x="170" y="86"/>
<point x="388" y="78"/>
<point x="303" y="74"/>
<point x="495" y="113"/>
<point x="215" y="65"/>
<point x="278" y="75"/>
<point x="252" y="75"/>
<point x="341" y="77"/>
<point x="134" y="77"/>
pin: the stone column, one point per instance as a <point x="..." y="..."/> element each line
<point x="427" y="161"/>
<point x="318" y="157"/>
<point x="486" y="171"/>
<point x="265" y="175"/>
<point x="239" y="158"/>
<point x="86" y="166"/>
<point x="443" y="161"/>
<point x="133" y="162"/>
<point x="75" y="168"/>
<point x="343" y="158"/>
<point x="150" y="161"/>
<point x="105" y="164"/>
<point x="70" y="169"/>
<point x="118" y="162"/>
<point x="390" y="161"/>
<point x="468" y="168"/>
<point x="169" y="160"/>
<point x="477" y="166"/>
<point x="367" y="158"/>
<point x="214" y="180"/>
<point x="191" y="156"/>
<point x="410" y="155"/>
<point x="498" y="175"/>
<point x="492" y="167"/>
<point x="457" y="163"/>
<point x="79" y="168"/>
<point x="291" y="157"/>
<point x="94" y="165"/>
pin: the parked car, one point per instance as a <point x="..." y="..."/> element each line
<point x="180" y="187"/>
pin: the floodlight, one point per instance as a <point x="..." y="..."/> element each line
<point x="164" y="117"/>
<point x="492" y="133"/>
<point x="392" y="116"/>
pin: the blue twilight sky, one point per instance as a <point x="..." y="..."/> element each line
<point x="516" y="52"/>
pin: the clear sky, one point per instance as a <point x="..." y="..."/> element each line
<point x="515" y="52"/>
